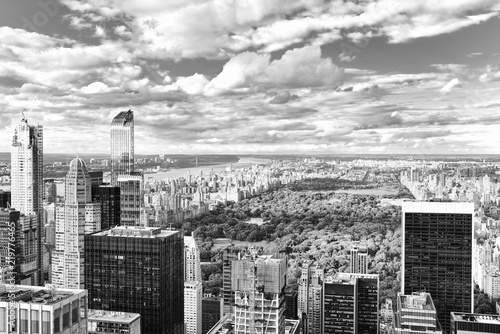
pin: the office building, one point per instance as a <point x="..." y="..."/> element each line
<point x="212" y="309"/>
<point x="131" y="198"/>
<point x="291" y="303"/>
<point x="122" y="145"/>
<point x="193" y="295"/>
<point x="437" y="255"/>
<point x="43" y="310"/>
<point x="138" y="270"/>
<point x="258" y="283"/>
<point x="27" y="179"/>
<point x="24" y="245"/>
<point x="469" y="323"/>
<point x="50" y="191"/>
<point x="351" y="303"/>
<point x="359" y="259"/>
<point x="75" y="217"/>
<point x="4" y="199"/>
<point x="110" y="322"/>
<point x="416" y="314"/>
<point x="227" y="293"/>
<point x="109" y="198"/>
<point x="96" y="180"/>
<point x="192" y="287"/>
<point x="310" y="297"/>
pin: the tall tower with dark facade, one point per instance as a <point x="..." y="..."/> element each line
<point x="437" y="255"/>
<point x="122" y="145"/>
<point x="27" y="180"/>
<point x="138" y="270"/>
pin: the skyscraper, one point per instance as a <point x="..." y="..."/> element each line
<point x="75" y="217"/>
<point x="359" y="259"/>
<point x="227" y="292"/>
<point x="122" y="145"/>
<point x="193" y="293"/>
<point x="131" y="198"/>
<point x="258" y="283"/>
<point x="351" y="304"/>
<point x="139" y="270"/>
<point x="437" y="255"/>
<point x="310" y="298"/>
<point x="109" y="197"/>
<point x="416" y="314"/>
<point x="4" y="198"/>
<point x="27" y="179"/>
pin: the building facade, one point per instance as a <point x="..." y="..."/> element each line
<point x="212" y="309"/>
<point x="138" y="270"/>
<point x="27" y="179"/>
<point x="122" y="145"/>
<point x="437" y="255"/>
<point x="227" y="293"/>
<point x="416" y="314"/>
<point x="310" y="297"/>
<point x="75" y="217"/>
<point x="193" y="294"/>
<point x="131" y="198"/>
<point x="5" y="199"/>
<point x="109" y="198"/>
<point x="469" y="323"/>
<point x="40" y="310"/>
<point x="351" y="304"/>
<point x="110" y="322"/>
<point x="359" y="259"/>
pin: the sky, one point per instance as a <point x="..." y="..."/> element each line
<point x="255" y="76"/>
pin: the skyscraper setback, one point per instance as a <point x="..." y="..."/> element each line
<point x="27" y="180"/>
<point x="437" y="255"/>
<point x="122" y="145"/>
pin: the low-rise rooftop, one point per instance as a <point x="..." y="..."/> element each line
<point x="111" y="316"/>
<point x="481" y="318"/>
<point x="135" y="232"/>
<point x="35" y="294"/>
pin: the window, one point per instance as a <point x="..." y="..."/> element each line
<point x="24" y="321"/>
<point x="3" y="316"/>
<point x="45" y="322"/>
<point x="35" y="321"/>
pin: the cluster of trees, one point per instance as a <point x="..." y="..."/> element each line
<point x="482" y="302"/>
<point x="311" y="225"/>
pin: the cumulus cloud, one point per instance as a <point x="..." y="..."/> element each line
<point x="283" y="97"/>
<point x="96" y="88"/>
<point x="449" y="86"/>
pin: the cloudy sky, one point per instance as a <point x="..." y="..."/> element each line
<point x="255" y="76"/>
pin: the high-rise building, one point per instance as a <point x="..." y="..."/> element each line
<point x="351" y="304"/>
<point x="4" y="199"/>
<point x="109" y="197"/>
<point x="193" y="295"/>
<point x="291" y="303"/>
<point x="50" y="191"/>
<point x="310" y="297"/>
<point x="227" y="293"/>
<point x="359" y="259"/>
<point x="192" y="287"/>
<point x="258" y="283"/>
<point x="212" y="309"/>
<point x="131" y="198"/>
<point x="27" y="179"/>
<point x="122" y="145"/>
<point x="109" y="322"/>
<point x="416" y="314"/>
<point x="75" y="217"/>
<point x="437" y="255"/>
<point x="23" y="246"/>
<point x="96" y="179"/>
<point x="42" y="310"/>
<point x="469" y="323"/>
<point x="139" y="270"/>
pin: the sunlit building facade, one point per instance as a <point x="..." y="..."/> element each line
<point x="122" y="145"/>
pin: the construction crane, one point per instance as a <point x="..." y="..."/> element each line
<point x="251" y="297"/>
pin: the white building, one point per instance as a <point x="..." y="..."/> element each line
<point x="310" y="297"/>
<point x="193" y="294"/>
<point x="42" y="310"/>
<point x="76" y="217"/>
<point x="359" y="260"/>
<point x="109" y="322"/>
<point x="192" y="269"/>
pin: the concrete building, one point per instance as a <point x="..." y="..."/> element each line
<point x="42" y="310"/>
<point x="310" y="298"/>
<point x="109" y="322"/>
<point x="193" y="295"/>
<point x="437" y="255"/>
<point x="131" y="198"/>
<point x="359" y="259"/>
<point x="258" y="283"/>
<point x="351" y="304"/>
<point x="192" y="268"/>
<point x="122" y="145"/>
<point x="469" y="323"/>
<point x="416" y="314"/>
<point x="227" y="293"/>
<point x="27" y="180"/>
<point x="75" y="217"/>
<point x="138" y="270"/>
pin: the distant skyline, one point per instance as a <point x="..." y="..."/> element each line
<point x="255" y="77"/>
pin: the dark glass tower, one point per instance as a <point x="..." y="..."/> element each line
<point x="4" y="198"/>
<point x="122" y="145"/>
<point x="109" y="197"/>
<point x="437" y="255"/>
<point x="139" y="270"/>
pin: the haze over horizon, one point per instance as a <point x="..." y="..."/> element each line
<point x="256" y="77"/>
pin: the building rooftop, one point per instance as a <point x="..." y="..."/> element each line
<point x="422" y="301"/>
<point x="111" y="316"/>
<point x="135" y="232"/>
<point x="35" y="294"/>
<point x="439" y="207"/>
<point x="123" y="118"/>
<point x="349" y="278"/>
<point x="481" y="318"/>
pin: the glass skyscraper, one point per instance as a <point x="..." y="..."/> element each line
<point x="122" y="145"/>
<point x="437" y="255"/>
<point x="27" y="180"/>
